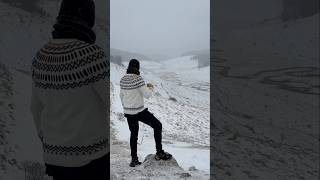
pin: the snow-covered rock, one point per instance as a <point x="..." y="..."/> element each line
<point x="158" y="169"/>
<point x="152" y="169"/>
<point x="151" y="162"/>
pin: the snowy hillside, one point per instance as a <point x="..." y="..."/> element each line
<point x="126" y="55"/>
<point x="180" y="105"/>
<point x="34" y="30"/>
<point x="265" y="101"/>
<point x="17" y="151"/>
<point x="21" y="26"/>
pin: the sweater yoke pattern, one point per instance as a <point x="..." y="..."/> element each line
<point x="131" y="81"/>
<point x="69" y="65"/>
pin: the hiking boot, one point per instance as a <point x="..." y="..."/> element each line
<point x="134" y="162"/>
<point x="162" y="155"/>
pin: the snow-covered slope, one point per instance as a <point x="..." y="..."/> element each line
<point x="184" y="117"/>
<point x="23" y="32"/>
<point x="265" y="102"/>
<point x="18" y="25"/>
<point x="181" y="79"/>
<point x="7" y="119"/>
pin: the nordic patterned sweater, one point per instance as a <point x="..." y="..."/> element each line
<point x="133" y="90"/>
<point x="69" y="101"/>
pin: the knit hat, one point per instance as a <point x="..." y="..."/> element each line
<point x="133" y="67"/>
<point x="81" y="12"/>
<point x="133" y="63"/>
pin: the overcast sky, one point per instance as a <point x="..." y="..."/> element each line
<point x="168" y="27"/>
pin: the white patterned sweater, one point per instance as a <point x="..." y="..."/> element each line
<point x="133" y="90"/>
<point x="70" y="101"/>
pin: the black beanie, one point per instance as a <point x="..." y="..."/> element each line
<point x="75" y="20"/>
<point x="81" y="12"/>
<point x="133" y="67"/>
<point x="133" y="63"/>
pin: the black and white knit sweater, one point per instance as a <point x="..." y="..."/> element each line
<point x="133" y="90"/>
<point x="70" y="101"/>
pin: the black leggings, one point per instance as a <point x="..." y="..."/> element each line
<point x="148" y="118"/>
<point x="97" y="169"/>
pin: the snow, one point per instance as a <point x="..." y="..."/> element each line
<point x="18" y="25"/>
<point x="185" y="121"/>
<point x="24" y="138"/>
<point x="266" y="100"/>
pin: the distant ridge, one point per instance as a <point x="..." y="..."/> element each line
<point x="202" y="56"/>
<point x="126" y="55"/>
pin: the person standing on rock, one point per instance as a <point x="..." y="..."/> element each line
<point x="70" y="97"/>
<point x="133" y="90"/>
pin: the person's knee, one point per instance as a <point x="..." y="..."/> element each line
<point x="158" y="125"/>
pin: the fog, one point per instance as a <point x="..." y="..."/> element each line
<point x="160" y="27"/>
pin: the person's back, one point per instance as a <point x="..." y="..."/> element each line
<point x="132" y="93"/>
<point x="72" y="112"/>
<point x="70" y="96"/>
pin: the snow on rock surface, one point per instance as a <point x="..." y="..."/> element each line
<point x="151" y="162"/>
<point x="153" y="169"/>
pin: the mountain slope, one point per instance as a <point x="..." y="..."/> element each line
<point x="265" y="102"/>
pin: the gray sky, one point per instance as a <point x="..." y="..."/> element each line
<point x="168" y="27"/>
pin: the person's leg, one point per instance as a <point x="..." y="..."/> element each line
<point x="134" y="129"/>
<point x="149" y="119"/>
<point x="98" y="169"/>
<point x="61" y="173"/>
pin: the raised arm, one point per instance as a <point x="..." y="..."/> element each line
<point x="146" y="91"/>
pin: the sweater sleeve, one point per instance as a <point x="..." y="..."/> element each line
<point x="145" y="91"/>
<point x="36" y="108"/>
<point x="101" y="84"/>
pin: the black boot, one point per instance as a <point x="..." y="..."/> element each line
<point x="134" y="162"/>
<point x="162" y="155"/>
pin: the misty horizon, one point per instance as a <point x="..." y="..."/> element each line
<point x="160" y="28"/>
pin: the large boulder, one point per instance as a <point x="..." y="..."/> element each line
<point x="161" y="169"/>
<point x="151" y="162"/>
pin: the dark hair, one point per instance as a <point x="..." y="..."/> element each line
<point x="133" y="67"/>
